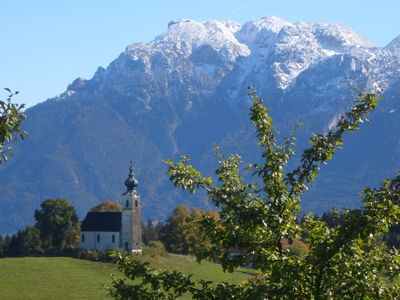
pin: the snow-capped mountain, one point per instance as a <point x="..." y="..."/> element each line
<point x="394" y="45"/>
<point x="186" y="90"/>
<point x="268" y="49"/>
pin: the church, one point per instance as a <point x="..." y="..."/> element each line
<point x="112" y="230"/>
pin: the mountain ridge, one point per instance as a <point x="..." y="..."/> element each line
<point x="186" y="90"/>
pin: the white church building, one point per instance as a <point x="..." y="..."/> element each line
<point x="112" y="230"/>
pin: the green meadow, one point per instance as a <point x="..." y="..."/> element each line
<point x="69" y="278"/>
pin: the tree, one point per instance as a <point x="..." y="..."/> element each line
<point x="11" y="117"/>
<point x="58" y="224"/>
<point x="151" y="232"/>
<point x="174" y="232"/>
<point x="181" y="232"/>
<point x="342" y="262"/>
<point x="392" y="238"/>
<point x="24" y="242"/>
<point x="108" y="205"/>
<point x="3" y="244"/>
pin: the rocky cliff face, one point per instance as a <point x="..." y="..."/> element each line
<point x="186" y="90"/>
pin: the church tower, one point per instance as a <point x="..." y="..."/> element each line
<point x="131" y="229"/>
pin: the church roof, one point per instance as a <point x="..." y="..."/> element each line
<point x="101" y="221"/>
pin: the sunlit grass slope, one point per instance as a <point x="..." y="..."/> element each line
<point x="68" y="278"/>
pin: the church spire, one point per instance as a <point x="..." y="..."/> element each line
<point x="131" y="228"/>
<point x="131" y="182"/>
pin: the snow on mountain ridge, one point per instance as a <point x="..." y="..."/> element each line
<point x="302" y="44"/>
<point x="203" y="43"/>
<point x="263" y="49"/>
<point x="394" y="44"/>
<point x="261" y="31"/>
<point x="290" y="48"/>
<point x="219" y="35"/>
<point x="293" y="47"/>
<point x="339" y="34"/>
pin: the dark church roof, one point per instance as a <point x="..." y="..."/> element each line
<point x="101" y="221"/>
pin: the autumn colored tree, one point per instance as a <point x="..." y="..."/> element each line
<point x="181" y="233"/>
<point x="108" y="205"/>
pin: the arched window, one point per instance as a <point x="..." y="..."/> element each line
<point x="135" y="203"/>
<point x="83" y="237"/>
<point x="127" y="203"/>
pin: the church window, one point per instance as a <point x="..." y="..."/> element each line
<point x="83" y="237"/>
<point x="135" y="203"/>
<point x="98" y="238"/>
<point x="113" y="238"/>
<point x="127" y="203"/>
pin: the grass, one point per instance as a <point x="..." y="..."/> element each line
<point x="53" y="278"/>
<point x="188" y="265"/>
<point x="69" y="278"/>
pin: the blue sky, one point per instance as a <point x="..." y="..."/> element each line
<point x="45" y="45"/>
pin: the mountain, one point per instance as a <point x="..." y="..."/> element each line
<point x="394" y="45"/>
<point x="185" y="91"/>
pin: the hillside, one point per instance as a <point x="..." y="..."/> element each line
<point x="185" y="91"/>
<point x="68" y="278"/>
<point x="53" y="278"/>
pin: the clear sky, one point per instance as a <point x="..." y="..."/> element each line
<point x="46" y="44"/>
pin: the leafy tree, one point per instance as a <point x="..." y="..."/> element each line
<point x="257" y="216"/>
<point x="58" y="224"/>
<point x="197" y="238"/>
<point x="108" y="205"/>
<point x="334" y="217"/>
<point x="173" y="233"/>
<point x="30" y="241"/>
<point x="181" y="233"/>
<point x="11" y="117"/>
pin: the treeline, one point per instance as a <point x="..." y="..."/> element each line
<point x="55" y="232"/>
<point x="335" y="217"/>
<point x="56" y="229"/>
<point x="181" y="232"/>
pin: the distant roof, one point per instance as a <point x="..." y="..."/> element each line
<point x="101" y="221"/>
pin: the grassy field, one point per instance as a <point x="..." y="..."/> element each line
<point x="68" y="278"/>
<point x="53" y="278"/>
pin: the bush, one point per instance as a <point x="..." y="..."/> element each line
<point x="154" y="248"/>
<point x="93" y="255"/>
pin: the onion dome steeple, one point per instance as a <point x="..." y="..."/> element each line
<point x="131" y="182"/>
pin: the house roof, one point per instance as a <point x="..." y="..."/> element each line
<point x="101" y="221"/>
